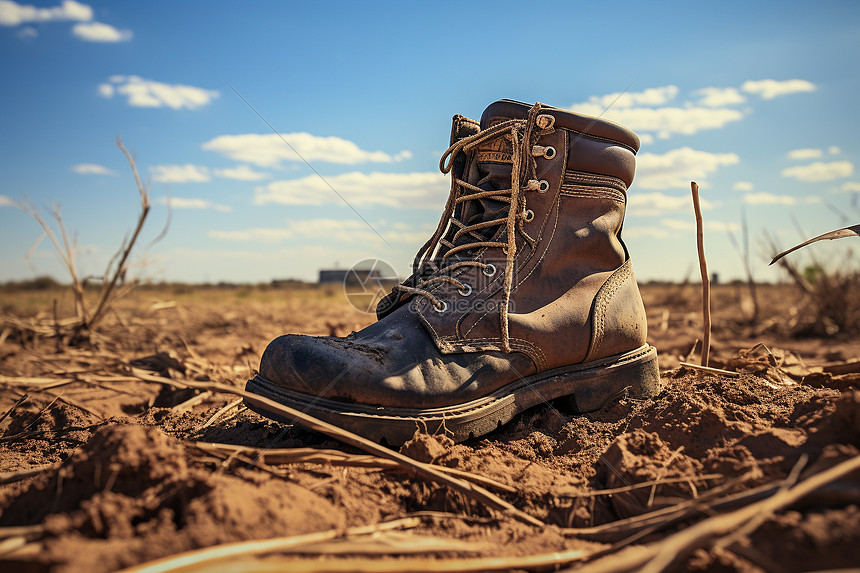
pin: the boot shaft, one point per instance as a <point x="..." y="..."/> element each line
<point x="557" y="181"/>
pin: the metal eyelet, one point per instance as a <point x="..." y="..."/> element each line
<point x="545" y="121"/>
<point x="489" y="270"/>
<point x="543" y="186"/>
<point x="466" y="290"/>
<point x="549" y="152"/>
<point x="529" y="216"/>
<point x="441" y="309"/>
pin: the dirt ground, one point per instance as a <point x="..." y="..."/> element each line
<point x="101" y="470"/>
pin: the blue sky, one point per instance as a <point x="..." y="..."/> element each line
<point x="754" y="100"/>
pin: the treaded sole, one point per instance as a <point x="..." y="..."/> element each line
<point x="584" y="388"/>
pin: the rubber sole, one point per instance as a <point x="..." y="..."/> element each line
<point x="583" y="388"/>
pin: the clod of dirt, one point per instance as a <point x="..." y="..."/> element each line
<point x="132" y="494"/>
<point x="639" y="457"/>
<point x="426" y="448"/>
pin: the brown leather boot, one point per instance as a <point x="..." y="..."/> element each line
<point x="524" y="294"/>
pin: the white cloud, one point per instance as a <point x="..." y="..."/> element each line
<point x="6" y="201"/>
<point x="763" y="198"/>
<point x="850" y="187"/>
<point x="187" y="173"/>
<point x="804" y="154"/>
<point x="644" y="139"/>
<point x="656" y="204"/>
<point x="678" y="167"/>
<point x="743" y="186"/>
<point x="99" y="32"/>
<point x="269" y="150"/>
<point x="719" y="97"/>
<point x="834" y="150"/>
<point x="769" y="89"/>
<point x="192" y="203"/>
<point x="241" y="173"/>
<point x="399" y="190"/>
<point x="91" y="169"/>
<point x="14" y="14"/>
<point x="641" y="111"/>
<point x="665" y="120"/>
<point x="820" y="171"/>
<point x="649" y="97"/>
<point x="141" y="92"/>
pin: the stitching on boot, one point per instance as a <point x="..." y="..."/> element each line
<point x="477" y="344"/>
<point x="580" y="184"/>
<point x="601" y="301"/>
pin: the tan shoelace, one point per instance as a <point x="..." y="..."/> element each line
<point x="520" y="132"/>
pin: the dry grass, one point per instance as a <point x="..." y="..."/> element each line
<point x="77" y="331"/>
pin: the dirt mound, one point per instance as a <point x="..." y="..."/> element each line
<point x="132" y="494"/>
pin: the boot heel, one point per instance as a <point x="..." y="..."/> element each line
<point x="638" y="377"/>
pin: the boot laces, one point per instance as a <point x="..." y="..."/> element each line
<point x="467" y="236"/>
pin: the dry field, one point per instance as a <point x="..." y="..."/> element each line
<point x="108" y="462"/>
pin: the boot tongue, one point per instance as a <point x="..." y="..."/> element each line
<point x="494" y="161"/>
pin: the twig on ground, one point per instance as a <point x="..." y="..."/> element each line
<point x="338" y="458"/>
<point x="191" y="402"/>
<point x="635" y="486"/>
<point x="706" y="282"/>
<point x="75" y="404"/>
<point x="710" y="370"/>
<point x="244" y="555"/>
<point x="658" y="556"/>
<point x="427" y="471"/>
<point x="219" y="413"/>
<point x="12" y="477"/>
<point x="208" y="556"/>
<point x="14" y="406"/>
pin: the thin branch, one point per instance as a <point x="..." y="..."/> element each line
<point x="120" y="267"/>
<point x="706" y="282"/>
<point x="426" y="471"/>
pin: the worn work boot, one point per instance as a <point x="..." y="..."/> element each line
<point x="524" y="294"/>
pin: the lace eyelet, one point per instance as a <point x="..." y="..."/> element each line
<point x="543" y="187"/>
<point x="441" y="309"/>
<point x="466" y="290"/>
<point x="489" y="270"/>
<point x="549" y="152"/>
<point x="545" y="121"/>
<point x="529" y="216"/>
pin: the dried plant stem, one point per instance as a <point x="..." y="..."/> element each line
<point x="710" y="370"/>
<point x="205" y="558"/>
<point x="11" y="477"/>
<point x="658" y="556"/>
<point x="14" y="406"/>
<point x="234" y="404"/>
<point x="706" y="283"/>
<point x="65" y="252"/>
<point x="337" y="458"/>
<point x="120" y="266"/>
<point x="243" y="556"/>
<point x="426" y="471"/>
